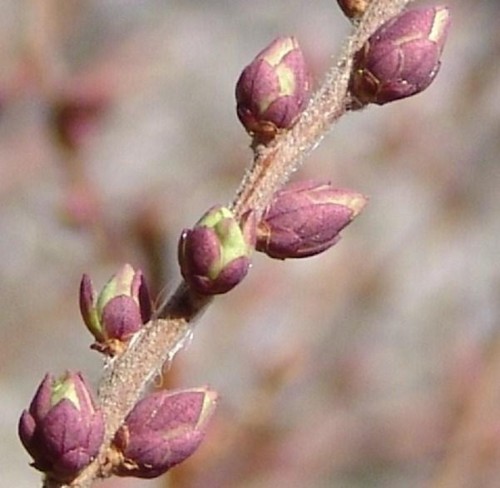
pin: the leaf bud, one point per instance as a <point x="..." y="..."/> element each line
<point x="273" y="90"/>
<point x="305" y="218"/>
<point x="63" y="428"/>
<point x="214" y="256"/>
<point x="118" y="312"/>
<point x="162" y="430"/>
<point x="401" y="58"/>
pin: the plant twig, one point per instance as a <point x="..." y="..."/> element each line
<point x="125" y="378"/>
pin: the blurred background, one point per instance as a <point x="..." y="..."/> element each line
<point x="376" y="364"/>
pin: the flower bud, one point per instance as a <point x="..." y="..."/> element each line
<point x="120" y="310"/>
<point x="354" y="9"/>
<point x="161" y="431"/>
<point x="305" y="218"/>
<point x="214" y="256"/>
<point x="273" y="89"/>
<point x="401" y="58"/>
<point x="63" y="428"/>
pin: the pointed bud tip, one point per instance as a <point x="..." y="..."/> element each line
<point x="440" y="24"/>
<point x="210" y="402"/>
<point x="355" y="201"/>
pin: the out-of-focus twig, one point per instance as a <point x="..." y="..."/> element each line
<point x="474" y="446"/>
<point x="42" y="43"/>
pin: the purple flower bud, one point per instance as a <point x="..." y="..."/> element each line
<point x="214" y="256"/>
<point x="120" y="310"/>
<point x="353" y="9"/>
<point x="305" y="218"/>
<point x="401" y="58"/>
<point x="63" y="428"/>
<point x="161" y="431"/>
<point x="273" y="89"/>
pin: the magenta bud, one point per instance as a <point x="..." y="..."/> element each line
<point x="63" y="428"/>
<point x="214" y="256"/>
<point x="162" y="430"/>
<point x="272" y="91"/>
<point x="401" y="58"/>
<point x="120" y="310"/>
<point x="305" y="218"/>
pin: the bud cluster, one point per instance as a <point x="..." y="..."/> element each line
<point x="63" y="429"/>
<point x="303" y="219"/>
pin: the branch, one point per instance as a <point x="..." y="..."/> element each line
<point x="126" y="377"/>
